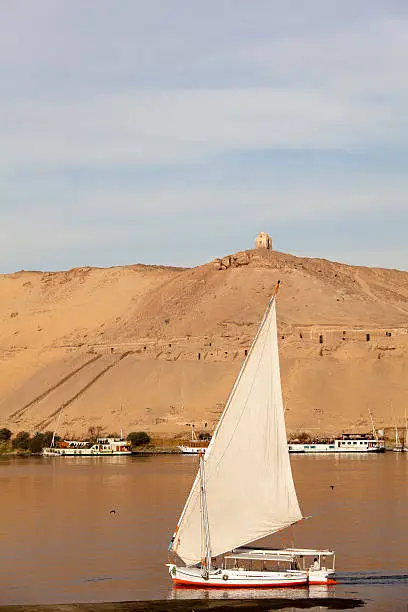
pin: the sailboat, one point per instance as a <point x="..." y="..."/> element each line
<point x="398" y="448"/>
<point x="244" y="489"/>
<point x="195" y="446"/>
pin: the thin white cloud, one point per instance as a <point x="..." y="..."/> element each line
<point x="172" y="127"/>
<point x="106" y="216"/>
<point x="367" y="56"/>
<point x="276" y="203"/>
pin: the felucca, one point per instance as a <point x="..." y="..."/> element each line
<point x="244" y="488"/>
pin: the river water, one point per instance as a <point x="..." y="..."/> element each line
<point x="96" y="529"/>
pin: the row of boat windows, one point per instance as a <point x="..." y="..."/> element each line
<point x="348" y="442"/>
<point x="343" y="443"/>
<point x="89" y="453"/>
<point x="101" y="447"/>
<point x="90" y="450"/>
<point x="314" y="446"/>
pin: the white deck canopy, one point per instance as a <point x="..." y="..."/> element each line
<point x="284" y="554"/>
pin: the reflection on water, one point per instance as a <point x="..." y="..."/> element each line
<point x="314" y="591"/>
<point x="61" y="542"/>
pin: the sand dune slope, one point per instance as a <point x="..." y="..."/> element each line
<point x="155" y="348"/>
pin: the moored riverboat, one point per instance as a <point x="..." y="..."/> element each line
<point x="348" y="443"/>
<point x="194" y="446"/>
<point x="102" y="447"/>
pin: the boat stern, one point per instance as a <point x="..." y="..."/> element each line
<point x="321" y="576"/>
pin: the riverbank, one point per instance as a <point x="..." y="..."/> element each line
<point x="150" y="449"/>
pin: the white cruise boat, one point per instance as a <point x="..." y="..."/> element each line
<point x="102" y="447"/>
<point x="348" y="443"/>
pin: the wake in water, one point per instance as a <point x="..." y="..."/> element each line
<point x="373" y="577"/>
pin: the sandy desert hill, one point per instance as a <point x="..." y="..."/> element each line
<point x="153" y="348"/>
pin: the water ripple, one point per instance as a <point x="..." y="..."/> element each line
<point x="387" y="578"/>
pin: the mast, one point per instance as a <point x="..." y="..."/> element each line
<point x="205" y="528"/>
<point x="242" y="370"/>
<point x="121" y="422"/>
<point x="56" y="427"/>
<point x="397" y="440"/>
<point x="247" y="460"/>
<point x="372" y="424"/>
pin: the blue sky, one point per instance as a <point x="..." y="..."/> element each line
<point x="174" y="131"/>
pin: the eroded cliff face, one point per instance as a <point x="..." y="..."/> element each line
<point x="155" y="348"/>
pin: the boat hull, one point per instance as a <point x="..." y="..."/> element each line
<point x="236" y="579"/>
<point x="320" y="577"/>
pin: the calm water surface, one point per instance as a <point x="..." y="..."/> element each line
<point x="60" y="542"/>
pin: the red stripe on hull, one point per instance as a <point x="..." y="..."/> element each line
<point x="230" y="585"/>
<point x="325" y="582"/>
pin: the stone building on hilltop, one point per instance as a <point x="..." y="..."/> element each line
<point x="263" y="241"/>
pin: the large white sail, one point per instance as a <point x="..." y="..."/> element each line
<point x="249" y="486"/>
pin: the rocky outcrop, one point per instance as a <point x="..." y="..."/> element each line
<point x="239" y="259"/>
